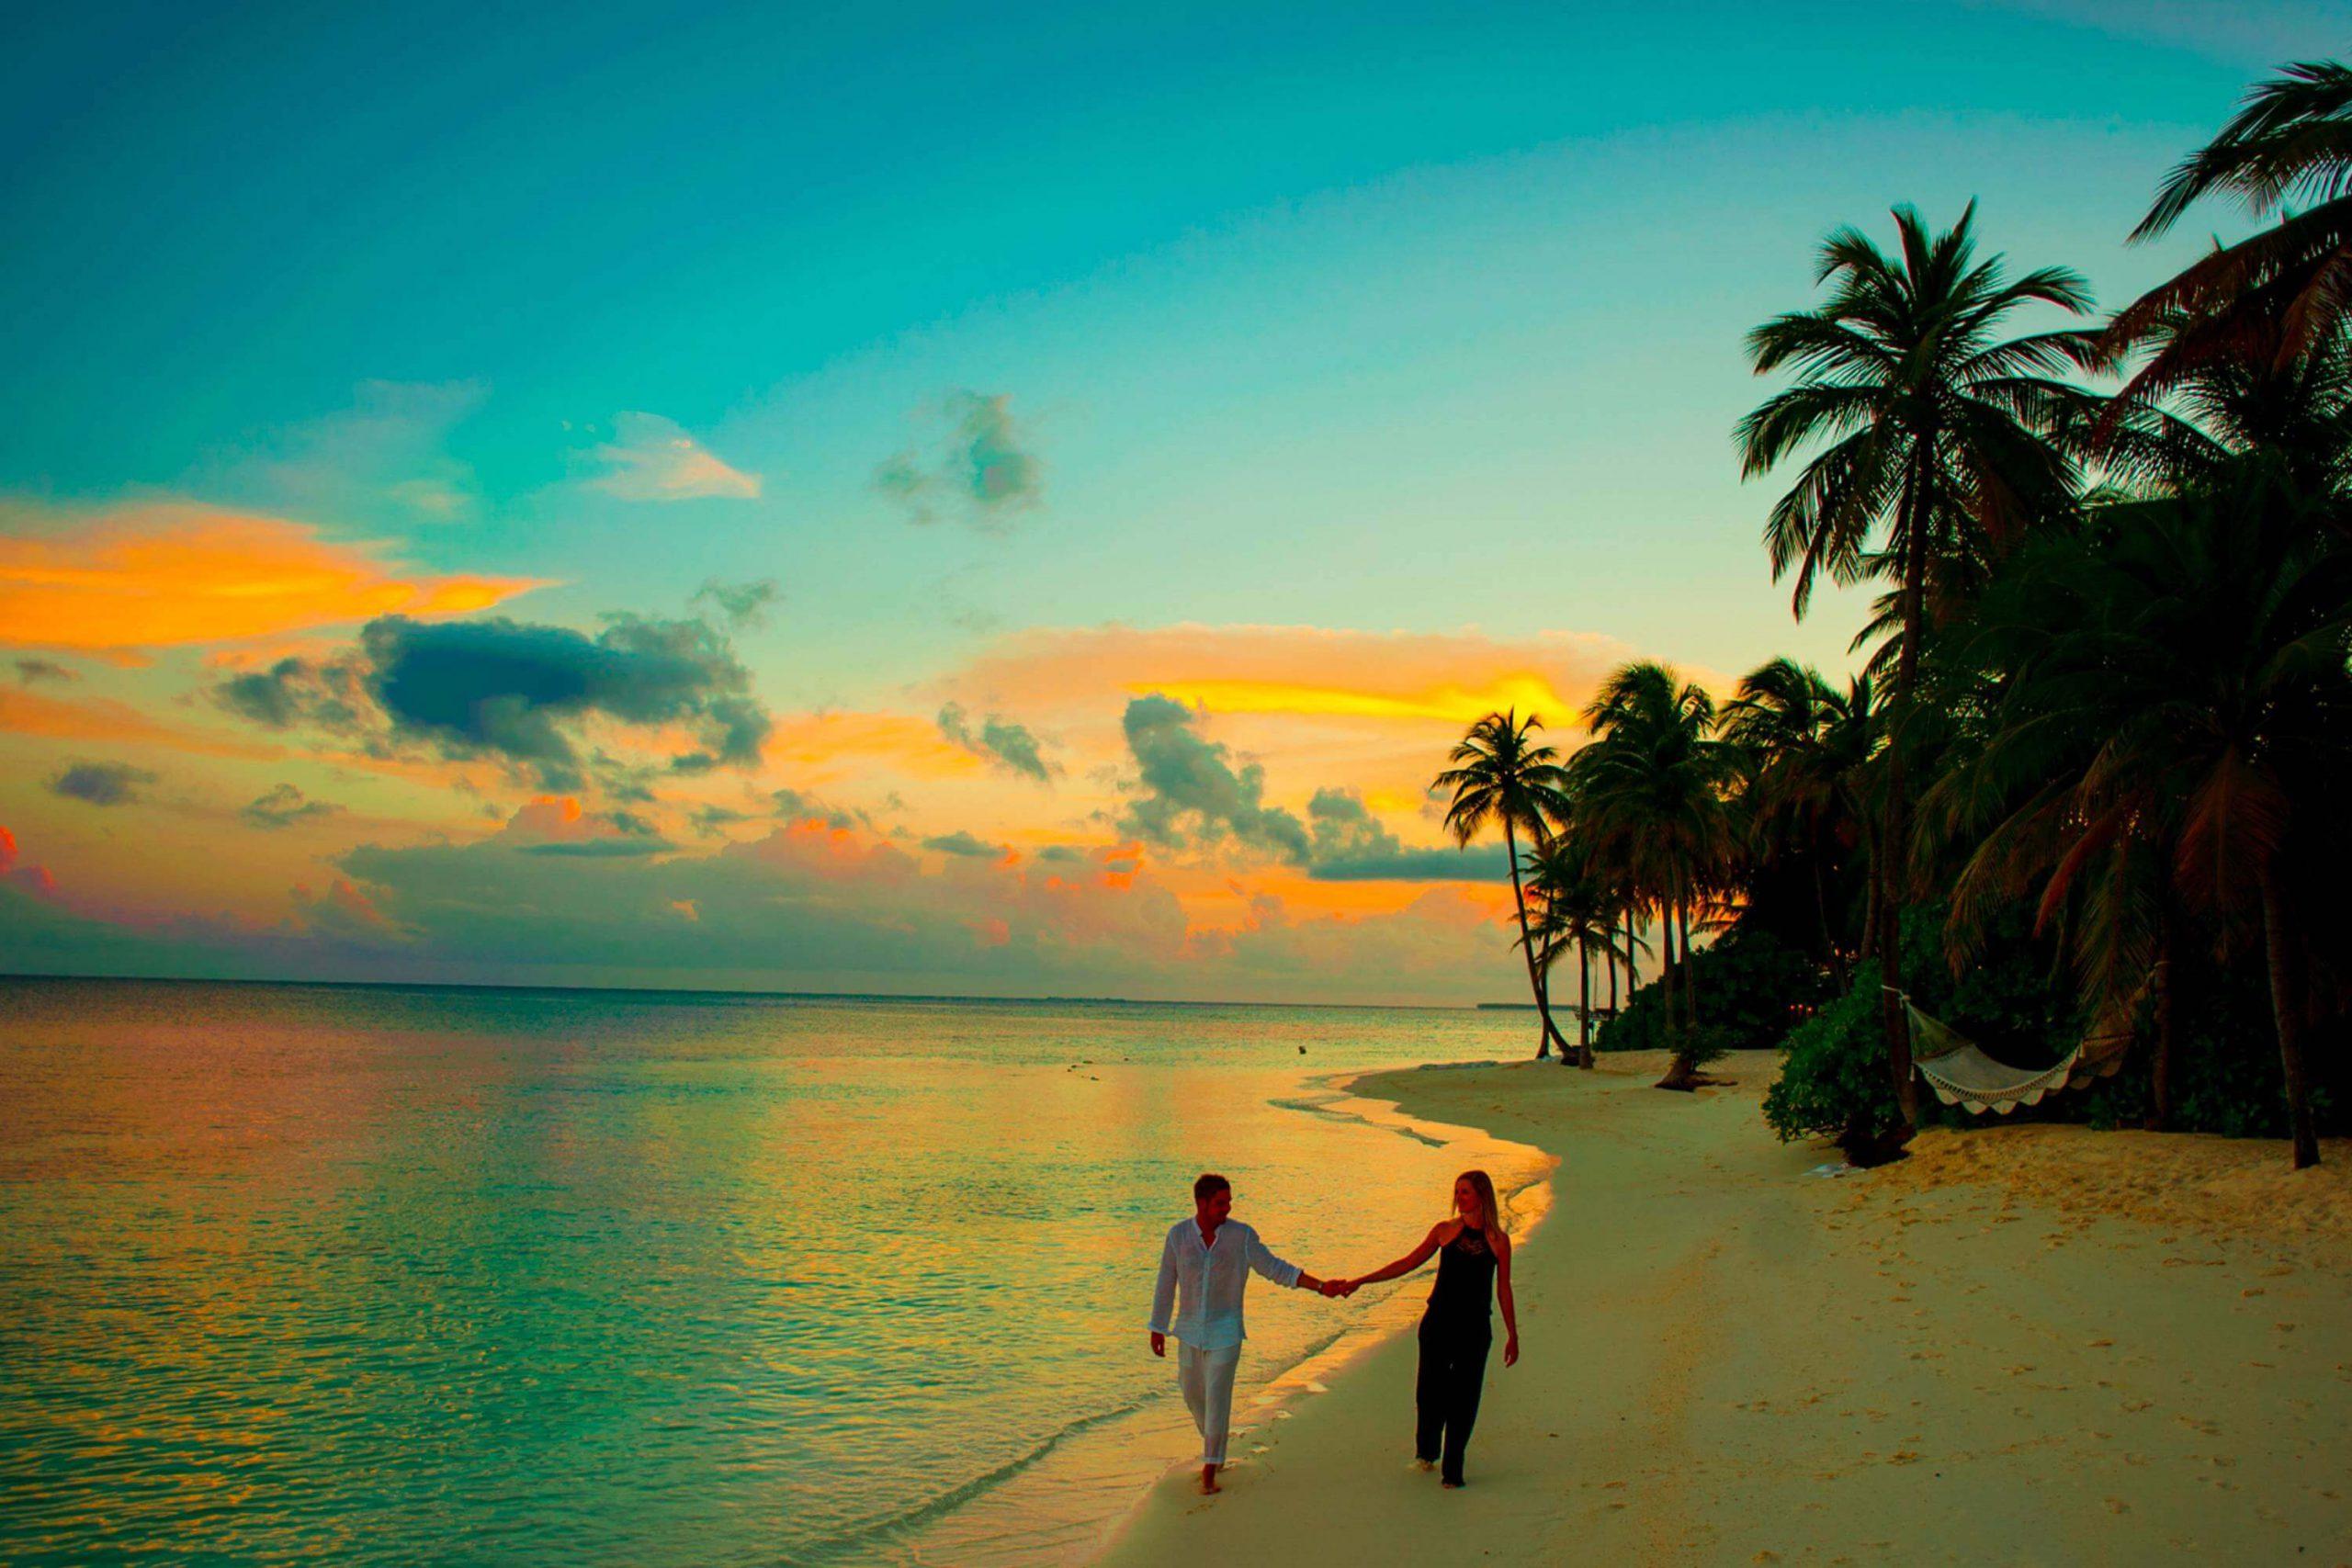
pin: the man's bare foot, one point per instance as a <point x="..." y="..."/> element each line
<point x="1208" y="1480"/>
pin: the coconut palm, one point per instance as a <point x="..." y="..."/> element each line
<point x="2185" y="426"/>
<point x="1936" y="436"/>
<point x="1808" y="751"/>
<point x="2291" y="283"/>
<point x="1501" y="777"/>
<point x="1577" y="910"/>
<point x="1653" y="797"/>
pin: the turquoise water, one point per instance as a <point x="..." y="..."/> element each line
<point x="382" y="1275"/>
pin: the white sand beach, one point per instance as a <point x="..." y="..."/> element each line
<point x="2037" y="1345"/>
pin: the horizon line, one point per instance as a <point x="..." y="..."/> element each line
<point x="779" y="995"/>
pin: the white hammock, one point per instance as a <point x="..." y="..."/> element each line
<point x="1961" y="1074"/>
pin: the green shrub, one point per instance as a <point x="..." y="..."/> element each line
<point x="1752" y="990"/>
<point x="1833" y="1082"/>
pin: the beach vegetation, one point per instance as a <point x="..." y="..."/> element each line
<point x="2083" y="783"/>
<point x="1934" y="430"/>
<point x="1758" y="989"/>
<point x="1577" y="912"/>
<point x="1502" y="777"/>
<point x="1651" y="798"/>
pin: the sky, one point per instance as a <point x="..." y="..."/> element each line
<point x="920" y="498"/>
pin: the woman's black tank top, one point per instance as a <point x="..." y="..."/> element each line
<point x="1466" y="1280"/>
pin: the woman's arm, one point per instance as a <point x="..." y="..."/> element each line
<point x="1412" y="1260"/>
<point x="1502" y="1244"/>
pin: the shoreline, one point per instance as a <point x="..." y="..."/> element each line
<point x="1728" y="1359"/>
<point x="1527" y="1199"/>
<point x="1127" y="1450"/>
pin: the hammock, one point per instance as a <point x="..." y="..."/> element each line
<point x="1961" y="1074"/>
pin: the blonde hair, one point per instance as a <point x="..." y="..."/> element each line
<point x="1484" y="1185"/>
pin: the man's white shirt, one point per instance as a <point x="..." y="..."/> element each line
<point x="1198" y="1298"/>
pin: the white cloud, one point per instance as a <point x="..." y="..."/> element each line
<point x="653" y="458"/>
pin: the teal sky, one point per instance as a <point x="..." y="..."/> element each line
<point x="1366" y="319"/>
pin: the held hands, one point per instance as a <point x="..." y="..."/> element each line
<point x="1333" y="1289"/>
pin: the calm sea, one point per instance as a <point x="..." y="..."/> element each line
<point x="389" y="1275"/>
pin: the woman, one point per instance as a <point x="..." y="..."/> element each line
<point x="1472" y="1265"/>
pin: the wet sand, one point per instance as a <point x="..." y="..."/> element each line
<point x="2043" y="1345"/>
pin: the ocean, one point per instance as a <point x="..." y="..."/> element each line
<point x="381" y="1275"/>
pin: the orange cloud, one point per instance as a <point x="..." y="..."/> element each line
<point x="816" y="745"/>
<point x="814" y="847"/>
<point x="1371" y="712"/>
<point x="157" y="576"/>
<point x="1452" y="705"/>
<point x="37" y="877"/>
<point x="1442" y="679"/>
<point x="99" y="718"/>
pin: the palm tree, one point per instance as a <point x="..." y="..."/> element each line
<point x="1575" y="909"/>
<point x="1807" y="749"/>
<point x="1937" y="449"/>
<point x="2176" y="715"/>
<point x="1651" y="793"/>
<point x="2186" y="418"/>
<point x="1502" y="777"/>
<point x="2292" y="141"/>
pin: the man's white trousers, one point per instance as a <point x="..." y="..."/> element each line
<point x="1207" y="1377"/>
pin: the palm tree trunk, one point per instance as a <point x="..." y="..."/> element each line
<point x="1584" y="1006"/>
<point x="2287" y="1008"/>
<point x="1665" y="971"/>
<point x="1828" y="937"/>
<point x="1609" y="961"/>
<point x="1527" y="946"/>
<point x="1689" y="972"/>
<point x="1681" y="1070"/>
<point x="1896" y="834"/>
<point x="1552" y="1035"/>
<point x="1869" y="899"/>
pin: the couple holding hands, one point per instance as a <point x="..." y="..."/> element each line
<point x="1205" y="1264"/>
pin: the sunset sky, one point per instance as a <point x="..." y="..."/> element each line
<point x="922" y="499"/>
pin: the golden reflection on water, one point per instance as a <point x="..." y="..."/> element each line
<point x="359" y="1274"/>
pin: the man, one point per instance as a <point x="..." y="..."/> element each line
<point x="1203" y="1267"/>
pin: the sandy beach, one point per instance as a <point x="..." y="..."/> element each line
<point x="2036" y="1344"/>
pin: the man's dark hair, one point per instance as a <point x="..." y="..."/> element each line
<point x="1208" y="1185"/>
